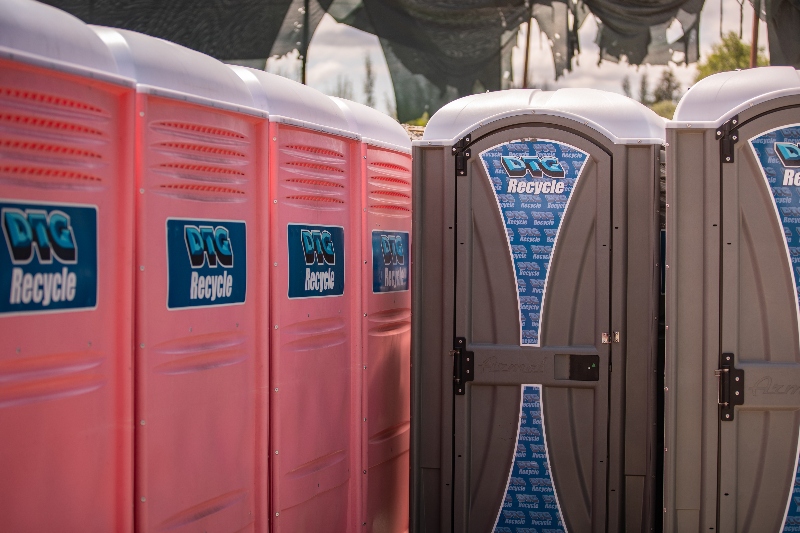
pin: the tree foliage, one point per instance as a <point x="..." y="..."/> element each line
<point x="626" y="86"/>
<point x="644" y="89"/>
<point x="664" y="108"/>
<point x="730" y="54"/>
<point x="668" y="88"/>
<point x="369" y="82"/>
<point x="343" y="88"/>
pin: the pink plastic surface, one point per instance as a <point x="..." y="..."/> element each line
<point x="386" y="337"/>
<point x="65" y="377"/>
<point x="200" y="372"/>
<point x="315" y="355"/>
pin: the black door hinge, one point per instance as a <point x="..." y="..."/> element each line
<point x="728" y="135"/>
<point x="462" y="152"/>
<point x="731" y="387"/>
<point x="463" y="365"/>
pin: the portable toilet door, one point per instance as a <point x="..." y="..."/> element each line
<point x="535" y="252"/>
<point x="386" y="316"/>
<point x="66" y="168"/>
<point x="200" y="357"/>
<point x="315" y="353"/>
<point x="732" y="406"/>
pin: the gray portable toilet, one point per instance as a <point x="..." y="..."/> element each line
<point x="518" y="421"/>
<point x="733" y="250"/>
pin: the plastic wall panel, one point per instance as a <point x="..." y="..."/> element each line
<point x="386" y="337"/>
<point x="199" y="366"/>
<point x="65" y="376"/>
<point x="315" y="353"/>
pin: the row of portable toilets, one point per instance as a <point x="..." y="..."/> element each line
<point x="205" y="310"/>
<point x="206" y="316"/>
<point x="545" y="399"/>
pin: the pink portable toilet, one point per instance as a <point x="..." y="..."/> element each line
<point x="315" y="358"/>
<point x="66" y="168"/>
<point x="385" y="315"/>
<point x="200" y="355"/>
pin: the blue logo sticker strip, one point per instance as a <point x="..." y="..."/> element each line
<point x="532" y="182"/>
<point x="206" y="263"/>
<point x="316" y="261"/>
<point x="530" y="503"/>
<point x="389" y="261"/>
<point x="778" y="153"/>
<point x="49" y="261"/>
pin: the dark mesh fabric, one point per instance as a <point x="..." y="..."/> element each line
<point x="783" y="32"/>
<point x="244" y="29"/>
<point x="637" y="29"/>
<point x="437" y="50"/>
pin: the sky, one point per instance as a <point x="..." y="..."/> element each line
<point x="337" y="54"/>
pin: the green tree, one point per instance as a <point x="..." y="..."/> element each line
<point x="731" y="54"/>
<point x="369" y="82"/>
<point x="664" y="108"/>
<point x="343" y="88"/>
<point x="626" y="86"/>
<point x="644" y="89"/>
<point x="668" y="88"/>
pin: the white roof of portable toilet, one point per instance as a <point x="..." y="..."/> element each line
<point x="43" y="35"/>
<point x="715" y="99"/>
<point x="293" y="103"/>
<point x="167" y="69"/>
<point x="375" y="128"/>
<point x="617" y="117"/>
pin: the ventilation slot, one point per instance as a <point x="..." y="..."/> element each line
<point x="309" y="198"/>
<point x="203" y="172"/>
<point x="314" y="150"/>
<point x="197" y="131"/>
<point x="45" y="177"/>
<point x="199" y="148"/>
<point x="390" y="166"/>
<point x="390" y="194"/>
<point x="314" y="166"/>
<point x="37" y="99"/>
<point x="203" y="193"/>
<point x="396" y="210"/>
<point x="385" y="182"/>
<point x="54" y="127"/>
<point x="48" y="149"/>
<point x="317" y="183"/>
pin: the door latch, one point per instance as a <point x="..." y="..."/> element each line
<point x="731" y="387"/>
<point x="463" y="365"/>
<point x="608" y="338"/>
